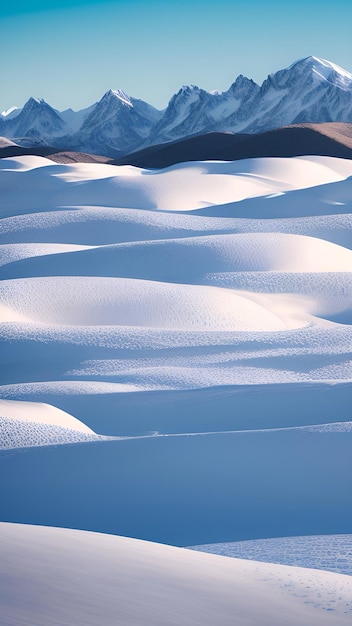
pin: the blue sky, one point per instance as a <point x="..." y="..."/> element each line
<point x="71" y="51"/>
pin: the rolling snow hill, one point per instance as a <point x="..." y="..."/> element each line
<point x="72" y="578"/>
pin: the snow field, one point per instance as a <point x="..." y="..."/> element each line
<point x="199" y="317"/>
<point x="275" y="281"/>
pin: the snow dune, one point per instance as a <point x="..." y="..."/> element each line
<point x="183" y="187"/>
<point x="323" y="200"/>
<point x="40" y="413"/>
<point x="17" y="252"/>
<point x="25" y="434"/>
<point x="183" y="259"/>
<point x="128" y="302"/>
<point x="86" y="301"/>
<point x="26" y="424"/>
<point x="86" y="578"/>
<point x="107" y="225"/>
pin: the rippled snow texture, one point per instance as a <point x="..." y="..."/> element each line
<point x="327" y="552"/>
<point x="18" y="434"/>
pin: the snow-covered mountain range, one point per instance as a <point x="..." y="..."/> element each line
<point x="310" y="90"/>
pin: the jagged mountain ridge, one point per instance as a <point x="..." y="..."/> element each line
<point x="37" y="121"/>
<point x="117" y="123"/>
<point x="311" y="90"/>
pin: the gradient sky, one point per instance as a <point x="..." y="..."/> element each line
<point x="71" y="51"/>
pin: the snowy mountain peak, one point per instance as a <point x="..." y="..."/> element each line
<point x="310" y="72"/>
<point x="118" y="94"/>
<point x="35" y="101"/>
<point x="116" y="124"/>
<point x="37" y="106"/>
<point x="323" y="66"/>
<point x="186" y="96"/>
<point x="243" y="87"/>
<point x="321" y="70"/>
<point x="243" y="80"/>
<point x="188" y="90"/>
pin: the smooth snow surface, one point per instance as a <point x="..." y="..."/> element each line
<point x="77" y="578"/>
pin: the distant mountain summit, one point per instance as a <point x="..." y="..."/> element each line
<point x="37" y="121"/>
<point x="193" y="110"/>
<point x="311" y="90"/>
<point x="115" y="124"/>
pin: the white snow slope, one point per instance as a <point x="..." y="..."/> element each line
<point x="199" y="319"/>
<point x="78" y="578"/>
